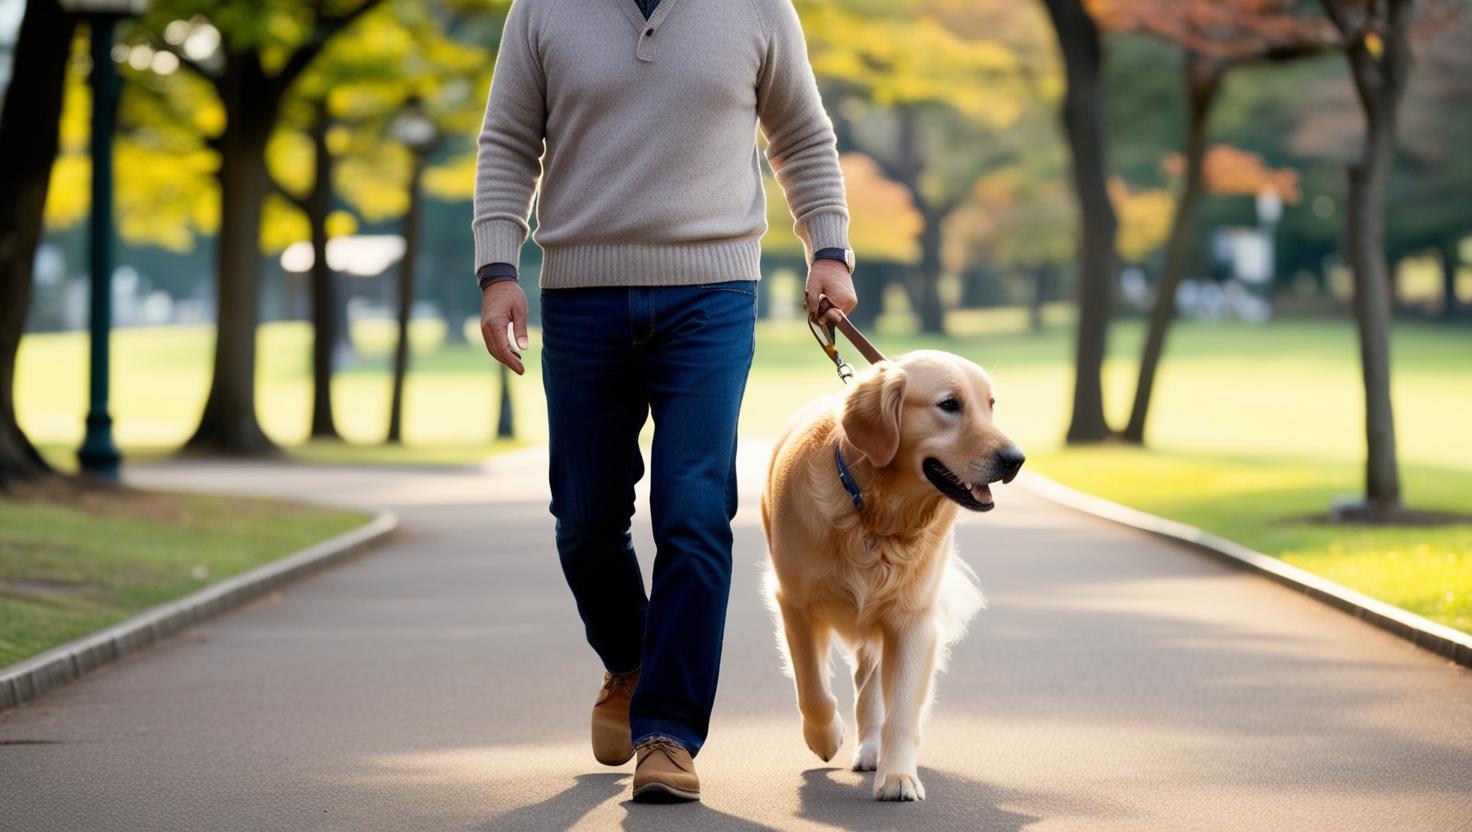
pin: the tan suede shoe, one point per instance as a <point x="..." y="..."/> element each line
<point x="612" y="743"/>
<point x="665" y="773"/>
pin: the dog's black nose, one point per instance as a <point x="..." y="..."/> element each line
<point x="1009" y="460"/>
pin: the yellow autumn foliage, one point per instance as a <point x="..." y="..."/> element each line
<point x="883" y="225"/>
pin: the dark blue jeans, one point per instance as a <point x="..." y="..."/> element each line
<point x="610" y="357"/>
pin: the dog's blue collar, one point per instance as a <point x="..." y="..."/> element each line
<point x="847" y="478"/>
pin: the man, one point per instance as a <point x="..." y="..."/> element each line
<point x="639" y="117"/>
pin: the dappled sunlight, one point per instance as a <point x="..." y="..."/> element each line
<point x="528" y="766"/>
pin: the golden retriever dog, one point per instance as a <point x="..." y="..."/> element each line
<point x="859" y="506"/>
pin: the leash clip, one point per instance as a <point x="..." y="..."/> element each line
<point x="827" y="339"/>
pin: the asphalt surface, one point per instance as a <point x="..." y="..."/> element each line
<point x="441" y="682"/>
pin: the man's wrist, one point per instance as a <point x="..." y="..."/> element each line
<point x="495" y="273"/>
<point x="842" y="255"/>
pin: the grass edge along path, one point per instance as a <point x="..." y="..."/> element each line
<point x="1277" y="507"/>
<point x="76" y="558"/>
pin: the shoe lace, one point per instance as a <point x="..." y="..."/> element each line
<point x="664" y="744"/>
<point x="617" y="684"/>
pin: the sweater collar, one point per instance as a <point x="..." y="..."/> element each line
<point x="648" y="30"/>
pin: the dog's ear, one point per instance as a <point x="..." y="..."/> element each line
<point x="871" y="413"/>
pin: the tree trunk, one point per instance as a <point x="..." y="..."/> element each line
<point x="1043" y="278"/>
<point x="406" y="304"/>
<point x="1380" y="84"/>
<point x="1203" y="79"/>
<point x="29" y="127"/>
<point x="1451" y="261"/>
<point x="228" y="424"/>
<point x="324" y="300"/>
<point x="932" y="312"/>
<point x="1372" y="307"/>
<point x="1083" y="121"/>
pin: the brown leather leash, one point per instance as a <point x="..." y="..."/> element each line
<point x="823" y="332"/>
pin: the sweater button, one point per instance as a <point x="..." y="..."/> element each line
<point x="648" y="33"/>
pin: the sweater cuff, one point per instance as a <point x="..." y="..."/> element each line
<point x="494" y="273"/>
<point x="827" y="229"/>
<point x="498" y="241"/>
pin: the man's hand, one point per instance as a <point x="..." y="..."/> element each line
<point x="504" y="303"/>
<point x="831" y="278"/>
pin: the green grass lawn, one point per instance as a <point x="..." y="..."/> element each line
<point x="1254" y="430"/>
<point x="74" y="560"/>
<point x="1274" y="505"/>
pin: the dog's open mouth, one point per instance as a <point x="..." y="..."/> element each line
<point x="976" y="497"/>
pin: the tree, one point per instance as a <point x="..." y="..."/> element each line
<point x="316" y="204"/>
<point x="1083" y="124"/>
<point x="29" y="127"/>
<point x="1215" y="35"/>
<point x="443" y="83"/>
<point x="263" y="50"/>
<point x="341" y="107"/>
<point x="926" y="93"/>
<point x="1431" y="183"/>
<point x="1377" y="45"/>
<point x="1019" y="221"/>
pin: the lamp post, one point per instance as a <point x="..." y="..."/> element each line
<point x="414" y="129"/>
<point x="99" y="454"/>
<point x="506" y="424"/>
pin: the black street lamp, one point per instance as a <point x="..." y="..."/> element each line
<point x="99" y="454"/>
<point x="506" y="425"/>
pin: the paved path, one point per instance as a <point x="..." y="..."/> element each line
<point x="441" y="682"/>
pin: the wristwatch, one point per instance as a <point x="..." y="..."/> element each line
<point x="842" y="255"/>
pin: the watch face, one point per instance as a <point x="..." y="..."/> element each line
<point x="848" y="258"/>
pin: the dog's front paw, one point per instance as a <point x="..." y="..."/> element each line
<point x="867" y="757"/>
<point x="898" y="786"/>
<point x="824" y="740"/>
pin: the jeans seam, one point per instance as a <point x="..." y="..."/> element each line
<point x="716" y="287"/>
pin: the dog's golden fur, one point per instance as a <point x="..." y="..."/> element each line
<point x="886" y="581"/>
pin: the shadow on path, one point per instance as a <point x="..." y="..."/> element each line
<point x="561" y="810"/>
<point x="951" y="803"/>
<point x="683" y="817"/>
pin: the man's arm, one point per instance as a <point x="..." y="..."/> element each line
<point x="803" y="152"/>
<point x="508" y="166"/>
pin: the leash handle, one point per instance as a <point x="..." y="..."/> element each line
<point x="824" y="333"/>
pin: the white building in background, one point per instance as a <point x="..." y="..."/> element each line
<point x="1249" y="258"/>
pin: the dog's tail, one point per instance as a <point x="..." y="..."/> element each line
<point x="769" y="593"/>
<point x="960" y="599"/>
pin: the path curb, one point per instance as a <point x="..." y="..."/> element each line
<point x="31" y="678"/>
<point x="1442" y="640"/>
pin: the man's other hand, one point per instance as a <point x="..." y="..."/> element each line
<point x="831" y="278"/>
<point x="503" y="303"/>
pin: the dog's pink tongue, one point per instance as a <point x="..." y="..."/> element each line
<point x="982" y="493"/>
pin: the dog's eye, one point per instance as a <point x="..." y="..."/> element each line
<point x="950" y="405"/>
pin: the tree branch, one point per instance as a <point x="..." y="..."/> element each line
<point x="322" y="32"/>
<point x="1339" y="16"/>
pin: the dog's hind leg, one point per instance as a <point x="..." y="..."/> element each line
<point x="906" y="668"/>
<point x="807" y="645"/>
<point x="868" y="706"/>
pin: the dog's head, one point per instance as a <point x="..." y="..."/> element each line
<point x="929" y="414"/>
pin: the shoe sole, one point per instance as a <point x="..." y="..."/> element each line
<point x="661" y="793"/>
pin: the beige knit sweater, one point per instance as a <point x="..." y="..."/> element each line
<point x="643" y="137"/>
